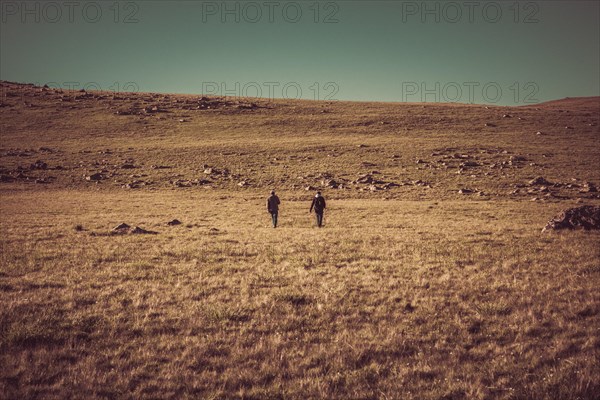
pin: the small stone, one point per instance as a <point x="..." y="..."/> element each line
<point x="539" y="181"/>
<point x="39" y="164"/>
<point x="121" y="228"/>
<point x="94" y="177"/>
<point x="588" y="187"/>
<point x="140" y="231"/>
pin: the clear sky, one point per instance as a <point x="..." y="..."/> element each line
<point x="501" y="52"/>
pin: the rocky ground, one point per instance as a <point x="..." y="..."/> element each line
<point x="142" y="141"/>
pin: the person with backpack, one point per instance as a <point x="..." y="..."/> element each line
<point x="318" y="204"/>
<point x="273" y="207"/>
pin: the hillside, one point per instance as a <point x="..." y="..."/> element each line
<point x="145" y="141"/>
<point x="138" y="260"/>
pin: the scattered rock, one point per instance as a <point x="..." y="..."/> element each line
<point x="516" y="159"/>
<point x="135" y="184"/>
<point x="539" y="181"/>
<point x="122" y="228"/>
<point x="330" y="183"/>
<point x="585" y="217"/>
<point x="140" y="231"/>
<point x="469" y="164"/>
<point x="182" y="183"/>
<point x="39" y="164"/>
<point x="490" y="125"/>
<point x="367" y="179"/>
<point x="465" y="191"/>
<point x="589" y="187"/>
<point x="250" y="106"/>
<point x="243" y="184"/>
<point x="151" y="109"/>
<point x="94" y="177"/>
<point x="419" y="182"/>
<point x="174" y="222"/>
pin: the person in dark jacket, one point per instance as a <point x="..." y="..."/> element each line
<point x="273" y="207"/>
<point x="318" y="204"/>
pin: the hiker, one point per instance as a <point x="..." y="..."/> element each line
<point x="318" y="204"/>
<point x="273" y="207"/>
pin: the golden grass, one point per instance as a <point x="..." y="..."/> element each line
<point x="415" y="292"/>
<point x="422" y="300"/>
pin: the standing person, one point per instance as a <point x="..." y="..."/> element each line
<point x="318" y="204"/>
<point x="273" y="207"/>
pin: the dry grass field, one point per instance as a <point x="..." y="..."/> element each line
<point x="430" y="280"/>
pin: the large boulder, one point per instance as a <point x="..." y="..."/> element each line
<point x="584" y="217"/>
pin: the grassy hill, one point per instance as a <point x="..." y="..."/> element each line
<point x="430" y="280"/>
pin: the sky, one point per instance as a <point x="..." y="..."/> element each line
<point x="489" y="52"/>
